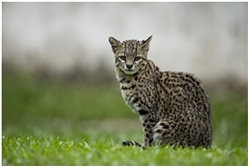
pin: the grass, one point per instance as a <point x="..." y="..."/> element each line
<point x="29" y="150"/>
<point x="48" y="123"/>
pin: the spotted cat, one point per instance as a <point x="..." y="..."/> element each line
<point x="173" y="106"/>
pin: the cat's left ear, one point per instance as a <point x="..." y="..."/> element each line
<point x="145" y="44"/>
<point x="116" y="44"/>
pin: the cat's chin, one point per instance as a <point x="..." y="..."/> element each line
<point x="130" y="72"/>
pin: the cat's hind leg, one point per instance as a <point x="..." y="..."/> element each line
<point x="164" y="133"/>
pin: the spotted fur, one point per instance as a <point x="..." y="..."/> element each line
<point x="173" y="106"/>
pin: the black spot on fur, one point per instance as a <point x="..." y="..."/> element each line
<point x="143" y="112"/>
<point x="135" y="100"/>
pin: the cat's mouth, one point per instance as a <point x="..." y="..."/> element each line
<point x="129" y="71"/>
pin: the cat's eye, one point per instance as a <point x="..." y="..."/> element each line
<point x="122" y="58"/>
<point x="137" y="58"/>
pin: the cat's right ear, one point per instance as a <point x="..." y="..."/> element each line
<point x="116" y="44"/>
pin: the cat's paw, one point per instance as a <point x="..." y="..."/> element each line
<point x="127" y="143"/>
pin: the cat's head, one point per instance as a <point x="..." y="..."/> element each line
<point x="130" y="55"/>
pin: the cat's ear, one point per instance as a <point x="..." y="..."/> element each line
<point x="116" y="44"/>
<point x="145" y="44"/>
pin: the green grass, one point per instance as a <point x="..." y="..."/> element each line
<point x="48" y="123"/>
<point x="29" y="150"/>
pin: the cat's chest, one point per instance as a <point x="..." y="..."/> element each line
<point x="132" y="100"/>
<point x="130" y="92"/>
<point x="137" y="92"/>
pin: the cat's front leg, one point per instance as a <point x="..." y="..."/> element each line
<point x="148" y="125"/>
<point x="132" y="143"/>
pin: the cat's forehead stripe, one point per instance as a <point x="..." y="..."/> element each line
<point x="130" y="46"/>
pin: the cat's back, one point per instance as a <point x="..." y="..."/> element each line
<point x="183" y="88"/>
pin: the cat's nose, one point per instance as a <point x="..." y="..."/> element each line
<point x="129" y="66"/>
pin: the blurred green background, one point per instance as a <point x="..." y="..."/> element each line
<point x="41" y="107"/>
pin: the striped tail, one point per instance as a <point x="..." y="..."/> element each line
<point x="132" y="143"/>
